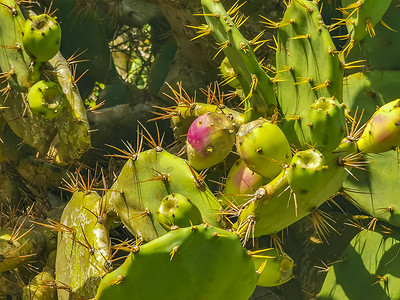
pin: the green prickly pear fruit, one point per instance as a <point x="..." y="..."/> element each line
<point x="307" y="169"/>
<point x="46" y="99"/>
<point x="178" y="210"/>
<point x="274" y="267"/>
<point x="41" y="37"/>
<point x="263" y="147"/>
<point x="209" y="140"/>
<point x="241" y="181"/>
<point x="326" y="123"/>
<point x="382" y="132"/>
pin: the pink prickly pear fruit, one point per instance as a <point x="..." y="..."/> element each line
<point x="209" y="140"/>
<point x="382" y="132"/>
<point x="241" y="181"/>
<point x="263" y="147"/>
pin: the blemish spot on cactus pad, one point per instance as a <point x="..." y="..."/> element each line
<point x="46" y="99"/>
<point x="41" y="37"/>
<point x="209" y="140"/>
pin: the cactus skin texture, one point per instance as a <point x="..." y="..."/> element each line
<point x="41" y="37"/>
<point x="263" y="147"/>
<point x="198" y="262"/>
<point x="209" y="140"/>
<point x="46" y="99"/>
<point x="367" y="269"/>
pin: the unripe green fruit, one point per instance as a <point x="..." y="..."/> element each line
<point x="46" y="99"/>
<point x="178" y="210"/>
<point x="326" y="123"/>
<point x="308" y="169"/>
<point x="263" y="147"/>
<point x="41" y="37"/>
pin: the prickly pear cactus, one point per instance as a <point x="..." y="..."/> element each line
<point x="367" y="269"/>
<point x="210" y="255"/>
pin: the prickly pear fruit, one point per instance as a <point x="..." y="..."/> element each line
<point x="41" y="37"/>
<point x="209" y="140"/>
<point x="274" y="267"/>
<point x="241" y="181"/>
<point x="199" y="262"/>
<point x="325" y="124"/>
<point x="46" y="99"/>
<point x="382" y="132"/>
<point x="308" y="168"/>
<point x="178" y="210"/>
<point x="263" y="147"/>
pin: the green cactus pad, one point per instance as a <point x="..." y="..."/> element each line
<point x="260" y="98"/>
<point x="375" y="188"/>
<point x="367" y="269"/>
<point x="307" y="62"/>
<point x="83" y="246"/>
<point x="209" y="140"/>
<point x="46" y="99"/>
<point x="201" y="262"/>
<point x="363" y="16"/>
<point x="149" y="177"/>
<point x="263" y="147"/>
<point x="178" y="210"/>
<point x="274" y="267"/>
<point x="41" y="37"/>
